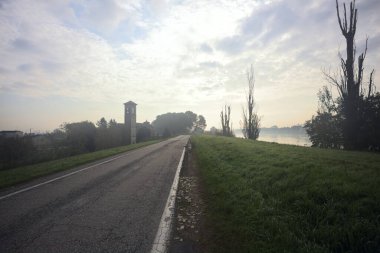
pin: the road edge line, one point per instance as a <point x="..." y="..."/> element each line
<point x="161" y="241"/>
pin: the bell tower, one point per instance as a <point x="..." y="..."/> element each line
<point x="130" y="121"/>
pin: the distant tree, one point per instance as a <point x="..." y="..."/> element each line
<point x="15" y="151"/>
<point x="191" y="119"/>
<point x="118" y="134"/>
<point x="112" y="123"/>
<point x="166" y="133"/>
<point x="225" y="116"/>
<point x="200" y="124"/>
<point x="251" y="121"/>
<point x="144" y="131"/>
<point x="369" y="135"/>
<point x="102" y="123"/>
<point x="103" y="139"/>
<point x="81" y="136"/>
<point x="174" y="123"/>
<point x="325" y="129"/>
<point x="58" y="134"/>
<point x="59" y="143"/>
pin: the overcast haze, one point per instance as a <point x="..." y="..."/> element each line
<point x="68" y="61"/>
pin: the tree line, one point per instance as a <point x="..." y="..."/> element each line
<point x="83" y="137"/>
<point x="170" y="124"/>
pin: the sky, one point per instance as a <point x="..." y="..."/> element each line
<point x="70" y="61"/>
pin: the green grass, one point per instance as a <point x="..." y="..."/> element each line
<point x="21" y="174"/>
<point x="266" y="197"/>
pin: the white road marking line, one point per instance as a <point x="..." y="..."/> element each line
<point x="161" y="241"/>
<point x="63" y="176"/>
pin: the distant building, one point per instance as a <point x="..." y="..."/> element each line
<point x="213" y="130"/>
<point x="11" y="134"/>
<point x="130" y="121"/>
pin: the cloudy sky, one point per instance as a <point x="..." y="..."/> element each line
<point x="68" y="61"/>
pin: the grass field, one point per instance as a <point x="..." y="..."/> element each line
<point x="21" y="174"/>
<point x="266" y="197"/>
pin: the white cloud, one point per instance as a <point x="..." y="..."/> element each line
<point x="178" y="55"/>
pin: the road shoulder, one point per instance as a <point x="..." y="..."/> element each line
<point x="189" y="232"/>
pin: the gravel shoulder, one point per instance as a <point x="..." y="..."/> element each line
<point x="189" y="232"/>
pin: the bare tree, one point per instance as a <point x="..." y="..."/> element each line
<point x="349" y="82"/>
<point x="251" y="121"/>
<point x="225" y="119"/>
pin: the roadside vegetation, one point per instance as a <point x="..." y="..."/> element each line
<point x="86" y="137"/>
<point x="21" y="174"/>
<point x="267" y="197"/>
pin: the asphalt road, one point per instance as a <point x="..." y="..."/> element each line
<point x="112" y="207"/>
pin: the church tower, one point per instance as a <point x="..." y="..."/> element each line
<point x="130" y="121"/>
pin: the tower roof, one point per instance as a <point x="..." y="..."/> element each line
<point x="130" y="103"/>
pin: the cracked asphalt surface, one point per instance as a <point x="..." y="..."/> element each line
<point x="113" y="207"/>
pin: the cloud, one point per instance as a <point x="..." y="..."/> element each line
<point x="291" y="34"/>
<point x="206" y="48"/>
<point x="3" y="70"/>
<point x="1" y="4"/>
<point x="23" y="45"/>
<point x="276" y="23"/>
<point x="25" y="67"/>
<point x="175" y="54"/>
<point x="70" y="62"/>
<point x="210" y="64"/>
<point x="232" y="45"/>
<point x="115" y="20"/>
<point x="374" y="43"/>
<point x="103" y="15"/>
<point x="15" y="86"/>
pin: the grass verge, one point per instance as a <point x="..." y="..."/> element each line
<point x="265" y="197"/>
<point x="21" y="174"/>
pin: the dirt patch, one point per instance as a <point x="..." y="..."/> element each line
<point x="189" y="230"/>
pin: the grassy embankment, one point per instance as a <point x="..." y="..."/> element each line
<point x="265" y="197"/>
<point x="21" y="174"/>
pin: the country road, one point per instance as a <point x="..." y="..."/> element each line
<point x="113" y="205"/>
